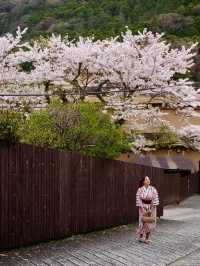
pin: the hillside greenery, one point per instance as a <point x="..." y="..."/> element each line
<point x="109" y="17"/>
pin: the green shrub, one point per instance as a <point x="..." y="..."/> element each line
<point x="38" y="129"/>
<point x="166" y="138"/>
<point x="75" y="127"/>
<point x="10" y="123"/>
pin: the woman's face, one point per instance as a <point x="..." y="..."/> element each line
<point x="146" y="181"/>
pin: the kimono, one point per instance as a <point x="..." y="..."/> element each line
<point x="146" y="199"/>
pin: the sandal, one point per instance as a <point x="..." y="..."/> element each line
<point x="141" y="240"/>
<point x="147" y="241"/>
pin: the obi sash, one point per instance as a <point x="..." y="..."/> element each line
<point x="146" y="201"/>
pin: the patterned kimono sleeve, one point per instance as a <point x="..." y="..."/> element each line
<point x="155" y="197"/>
<point x="138" y="198"/>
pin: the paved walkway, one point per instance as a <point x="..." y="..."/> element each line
<point x="176" y="243"/>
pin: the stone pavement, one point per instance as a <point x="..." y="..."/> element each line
<point x="176" y="242"/>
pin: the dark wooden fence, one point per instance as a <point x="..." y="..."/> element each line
<point x="178" y="187"/>
<point x="189" y="185"/>
<point x="171" y="192"/>
<point x="49" y="194"/>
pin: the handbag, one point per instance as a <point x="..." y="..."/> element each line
<point x="147" y="218"/>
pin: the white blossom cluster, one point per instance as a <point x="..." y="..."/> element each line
<point x="190" y="135"/>
<point x="141" y="144"/>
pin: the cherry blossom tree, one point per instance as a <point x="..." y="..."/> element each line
<point x="61" y="66"/>
<point x="145" y="65"/>
<point x="8" y="66"/>
<point x="12" y="56"/>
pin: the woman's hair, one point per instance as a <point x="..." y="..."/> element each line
<point x="141" y="182"/>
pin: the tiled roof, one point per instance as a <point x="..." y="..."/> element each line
<point x="168" y="162"/>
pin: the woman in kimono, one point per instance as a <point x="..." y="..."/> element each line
<point x="146" y="200"/>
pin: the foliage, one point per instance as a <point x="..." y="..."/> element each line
<point x="38" y="129"/>
<point x="139" y="64"/>
<point x="103" y="18"/>
<point x="166" y="138"/>
<point x="10" y="123"/>
<point x="75" y="127"/>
